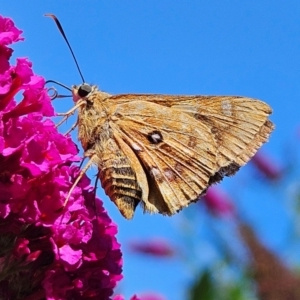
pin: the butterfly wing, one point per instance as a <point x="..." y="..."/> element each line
<point x="177" y="152"/>
<point x="187" y="143"/>
<point x="239" y="125"/>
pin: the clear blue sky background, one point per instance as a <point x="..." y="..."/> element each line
<point x="222" y="47"/>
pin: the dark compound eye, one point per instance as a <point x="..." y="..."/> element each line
<point x="84" y="90"/>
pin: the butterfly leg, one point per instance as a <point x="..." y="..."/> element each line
<point x="95" y="190"/>
<point x="81" y="174"/>
<point x="72" y="128"/>
<point x="69" y="113"/>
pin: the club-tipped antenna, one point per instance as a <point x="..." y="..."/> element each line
<point x="65" y="38"/>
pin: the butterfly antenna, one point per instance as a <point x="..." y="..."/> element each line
<point x="65" y="38"/>
<point x="58" y="83"/>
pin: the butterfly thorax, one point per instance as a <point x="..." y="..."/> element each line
<point x="92" y="115"/>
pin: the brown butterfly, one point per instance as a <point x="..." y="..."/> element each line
<point x="161" y="151"/>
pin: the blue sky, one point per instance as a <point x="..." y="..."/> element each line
<point x="249" y="48"/>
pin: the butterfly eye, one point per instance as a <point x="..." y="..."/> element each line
<point x="84" y="90"/>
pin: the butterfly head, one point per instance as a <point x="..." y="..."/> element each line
<point x="83" y="91"/>
<point x="87" y="93"/>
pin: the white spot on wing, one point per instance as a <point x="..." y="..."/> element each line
<point x="170" y="174"/>
<point x="136" y="147"/>
<point x="155" y="137"/>
<point x="227" y="107"/>
<point x="154" y="172"/>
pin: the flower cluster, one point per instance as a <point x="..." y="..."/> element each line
<point x="47" y="250"/>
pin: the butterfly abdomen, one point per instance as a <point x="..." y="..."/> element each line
<point x="117" y="177"/>
<point x="120" y="184"/>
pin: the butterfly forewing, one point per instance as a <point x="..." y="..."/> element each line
<point x="239" y="125"/>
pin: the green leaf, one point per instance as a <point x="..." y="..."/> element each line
<point x="235" y="293"/>
<point x="202" y="288"/>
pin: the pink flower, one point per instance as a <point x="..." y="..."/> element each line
<point x="155" y="247"/>
<point x="266" y="166"/>
<point x="151" y="296"/>
<point x="8" y="32"/>
<point x="145" y="296"/>
<point x="121" y="297"/>
<point x="218" y="202"/>
<point x="47" y="251"/>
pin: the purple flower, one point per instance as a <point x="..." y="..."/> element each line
<point x="121" y="297"/>
<point x="145" y="296"/>
<point x="8" y="32"/>
<point x="155" y="247"/>
<point x="47" y="251"/>
<point x="218" y="202"/>
<point x="266" y="166"/>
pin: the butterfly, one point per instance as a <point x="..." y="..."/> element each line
<point x="162" y="151"/>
